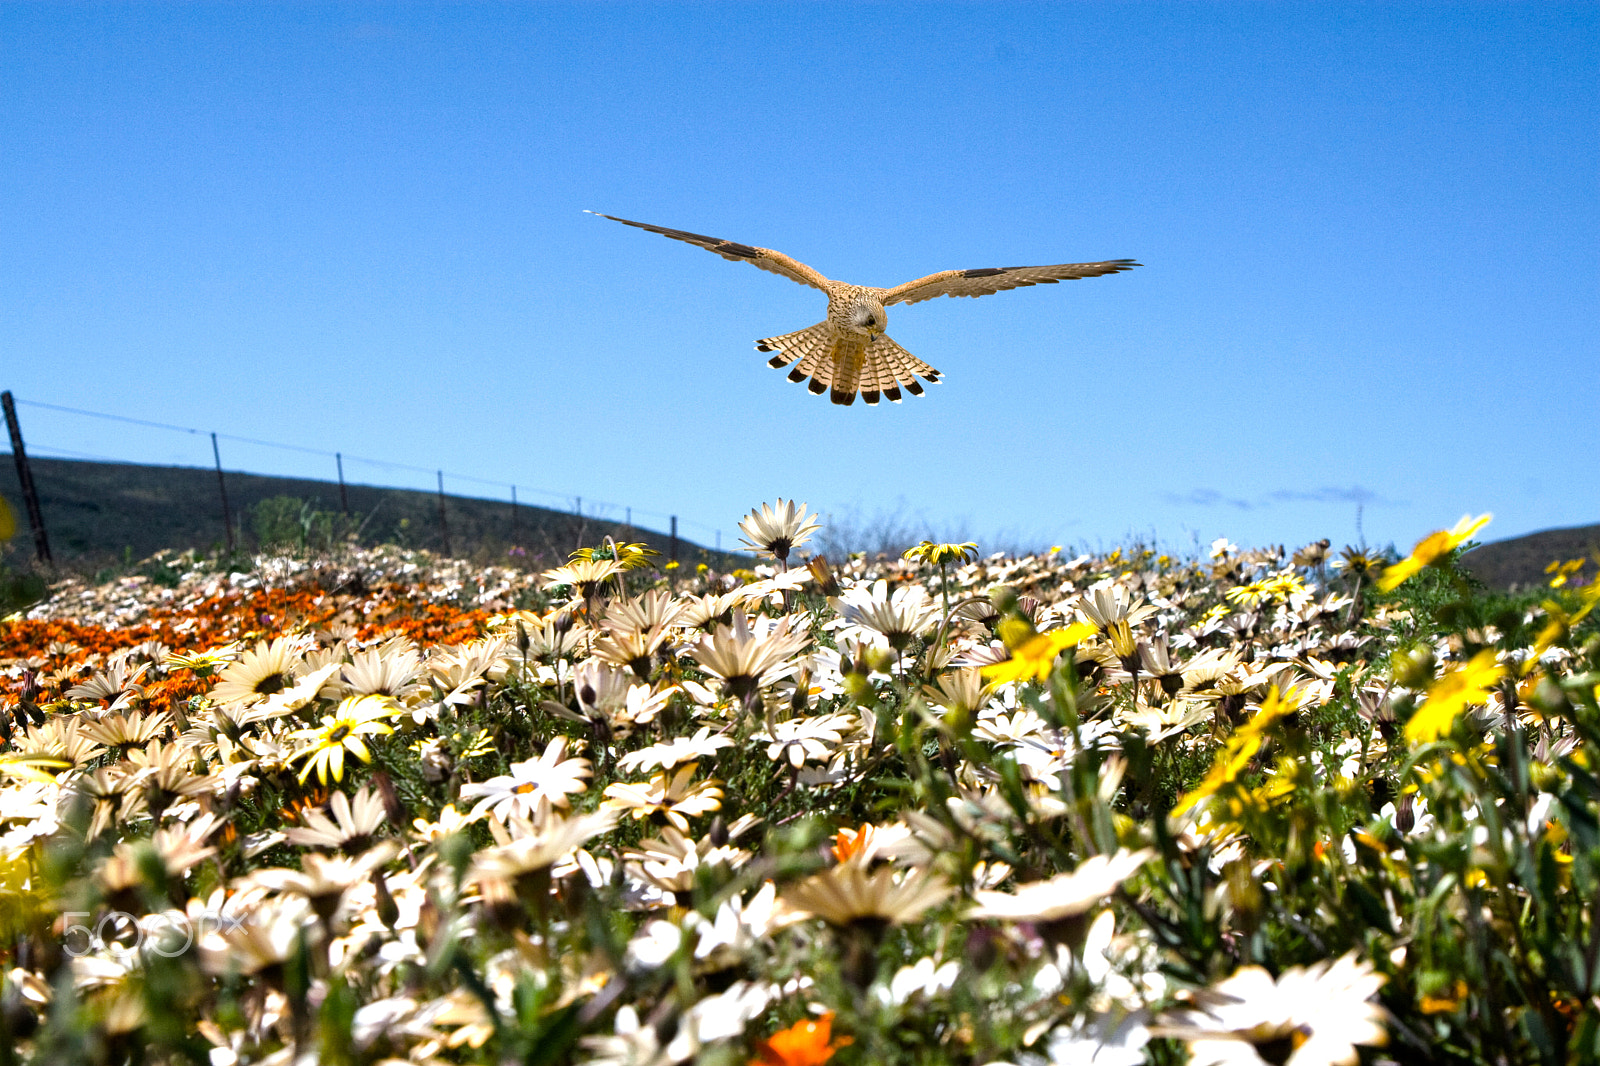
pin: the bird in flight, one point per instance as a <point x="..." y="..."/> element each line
<point x="848" y="352"/>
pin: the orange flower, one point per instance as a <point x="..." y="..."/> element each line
<point x="849" y="842"/>
<point x="1447" y="999"/>
<point x="805" y="1043"/>
<point x="394" y="607"/>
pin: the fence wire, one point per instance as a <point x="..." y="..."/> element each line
<point x="577" y="504"/>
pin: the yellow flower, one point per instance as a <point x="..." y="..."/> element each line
<point x="1445" y="1000"/>
<point x="940" y="554"/>
<point x="342" y="731"/>
<point x="1241" y="747"/>
<point x="30" y="767"/>
<point x="628" y="556"/>
<point x="1431" y="548"/>
<point x="1250" y="594"/>
<point x="1560" y="622"/>
<point x="1284" y="586"/>
<point x="1563" y="571"/>
<point x="1451" y="694"/>
<point x="1036" y="655"/>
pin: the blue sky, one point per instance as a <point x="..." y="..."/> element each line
<point x="1370" y="237"/>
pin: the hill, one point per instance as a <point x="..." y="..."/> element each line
<point x="1519" y="563"/>
<point x="98" y="513"/>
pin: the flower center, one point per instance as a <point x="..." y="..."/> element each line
<point x="1278" y="1049"/>
<point x="271" y="684"/>
<point x="339" y="734"/>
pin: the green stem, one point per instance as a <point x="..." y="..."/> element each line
<point x="944" y="627"/>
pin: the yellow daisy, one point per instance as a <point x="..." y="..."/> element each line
<point x="1035" y="656"/>
<point x="1453" y="693"/>
<point x="341" y="731"/>
<point x="1431" y="548"/>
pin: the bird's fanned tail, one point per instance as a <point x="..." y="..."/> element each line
<point x="813" y="346"/>
<point x="888" y="367"/>
<point x="840" y="364"/>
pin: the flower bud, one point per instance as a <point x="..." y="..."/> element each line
<point x="1545" y="778"/>
<point x="388" y="909"/>
<point x="1015" y="632"/>
<point x="1413" y="666"/>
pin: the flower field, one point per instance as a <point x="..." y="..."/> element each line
<point x="377" y="806"/>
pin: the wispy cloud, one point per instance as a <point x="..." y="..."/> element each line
<point x="1206" y="498"/>
<point x="1353" y="494"/>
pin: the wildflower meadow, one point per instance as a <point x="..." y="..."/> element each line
<point x="372" y="805"/>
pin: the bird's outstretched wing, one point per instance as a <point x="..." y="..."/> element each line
<point x="765" y="258"/>
<point x="986" y="280"/>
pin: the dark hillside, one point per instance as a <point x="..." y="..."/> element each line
<point x="97" y="512"/>
<point x="1520" y="562"/>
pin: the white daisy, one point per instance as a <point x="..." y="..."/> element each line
<point x="531" y="787"/>
<point x="1310" y="1016"/>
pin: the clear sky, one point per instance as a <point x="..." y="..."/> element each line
<point x="1370" y="237"/>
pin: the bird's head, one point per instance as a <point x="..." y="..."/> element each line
<point x="868" y="315"/>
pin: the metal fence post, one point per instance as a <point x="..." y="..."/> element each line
<point x="30" y="495"/>
<point x="344" y="497"/>
<point x="222" y="487"/>
<point x="674" y="556"/>
<point x="444" y="529"/>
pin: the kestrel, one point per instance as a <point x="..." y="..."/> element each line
<point x="848" y="352"/>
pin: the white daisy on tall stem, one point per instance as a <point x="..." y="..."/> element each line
<point x="776" y="531"/>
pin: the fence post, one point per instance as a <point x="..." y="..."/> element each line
<point x="222" y="487"/>
<point x="444" y="529"/>
<point x="674" y="555"/>
<point x="30" y="496"/>
<point x="344" y="497"/>
<point x="513" y="514"/>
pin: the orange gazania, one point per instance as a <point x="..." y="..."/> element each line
<point x="805" y="1043"/>
<point x="207" y="621"/>
<point x="848" y="843"/>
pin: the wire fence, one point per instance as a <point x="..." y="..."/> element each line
<point x="152" y="443"/>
